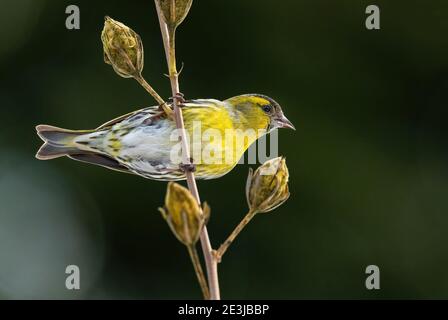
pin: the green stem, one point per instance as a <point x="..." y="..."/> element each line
<point x="172" y="51"/>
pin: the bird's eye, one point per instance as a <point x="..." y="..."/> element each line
<point x="267" y="108"/>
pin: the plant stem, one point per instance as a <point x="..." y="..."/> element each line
<point x="223" y="248"/>
<point x="210" y="260"/>
<point x="150" y="89"/>
<point x="172" y="51"/>
<point x="198" y="269"/>
<point x="168" y="111"/>
<point x="138" y="76"/>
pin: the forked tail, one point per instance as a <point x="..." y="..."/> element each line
<point x="58" y="142"/>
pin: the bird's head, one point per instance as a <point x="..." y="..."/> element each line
<point x="256" y="111"/>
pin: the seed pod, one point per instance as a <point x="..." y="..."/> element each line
<point x="267" y="187"/>
<point x="123" y="48"/>
<point x="174" y="11"/>
<point x="183" y="214"/>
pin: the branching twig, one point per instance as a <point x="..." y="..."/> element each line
<point x="223" y="248"/>
<point x="210" y="260"/>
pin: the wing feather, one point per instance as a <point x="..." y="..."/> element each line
<point x="151" y="111"/>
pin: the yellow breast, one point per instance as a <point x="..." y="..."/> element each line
<point x="217" y="140"/>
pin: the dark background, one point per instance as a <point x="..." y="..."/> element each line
<point x="368" y="161"/>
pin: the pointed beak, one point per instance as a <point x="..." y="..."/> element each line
<point x="283" y="122"/>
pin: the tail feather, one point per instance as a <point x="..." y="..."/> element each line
<point x="58" y="142"/>
<point x="48" y="151"/>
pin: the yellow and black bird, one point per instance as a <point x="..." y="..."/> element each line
<point x="142" y="143"/>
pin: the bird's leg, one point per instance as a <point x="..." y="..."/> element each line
<point x="188" y="167"/>
<point x="168" y="110"/>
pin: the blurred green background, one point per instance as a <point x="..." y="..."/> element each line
<point x="368" y="162"/>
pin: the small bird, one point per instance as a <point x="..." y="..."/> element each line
<point x="142" y="143"/>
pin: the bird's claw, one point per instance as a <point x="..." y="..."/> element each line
<point x="188" y="167"/>
<point x="179" y="97"/>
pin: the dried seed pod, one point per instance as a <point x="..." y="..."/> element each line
<point x="123" y="48"/>
<point x="183" y="214"/>
<point x="267" y="187"/>
<point x="174" y="11"/>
